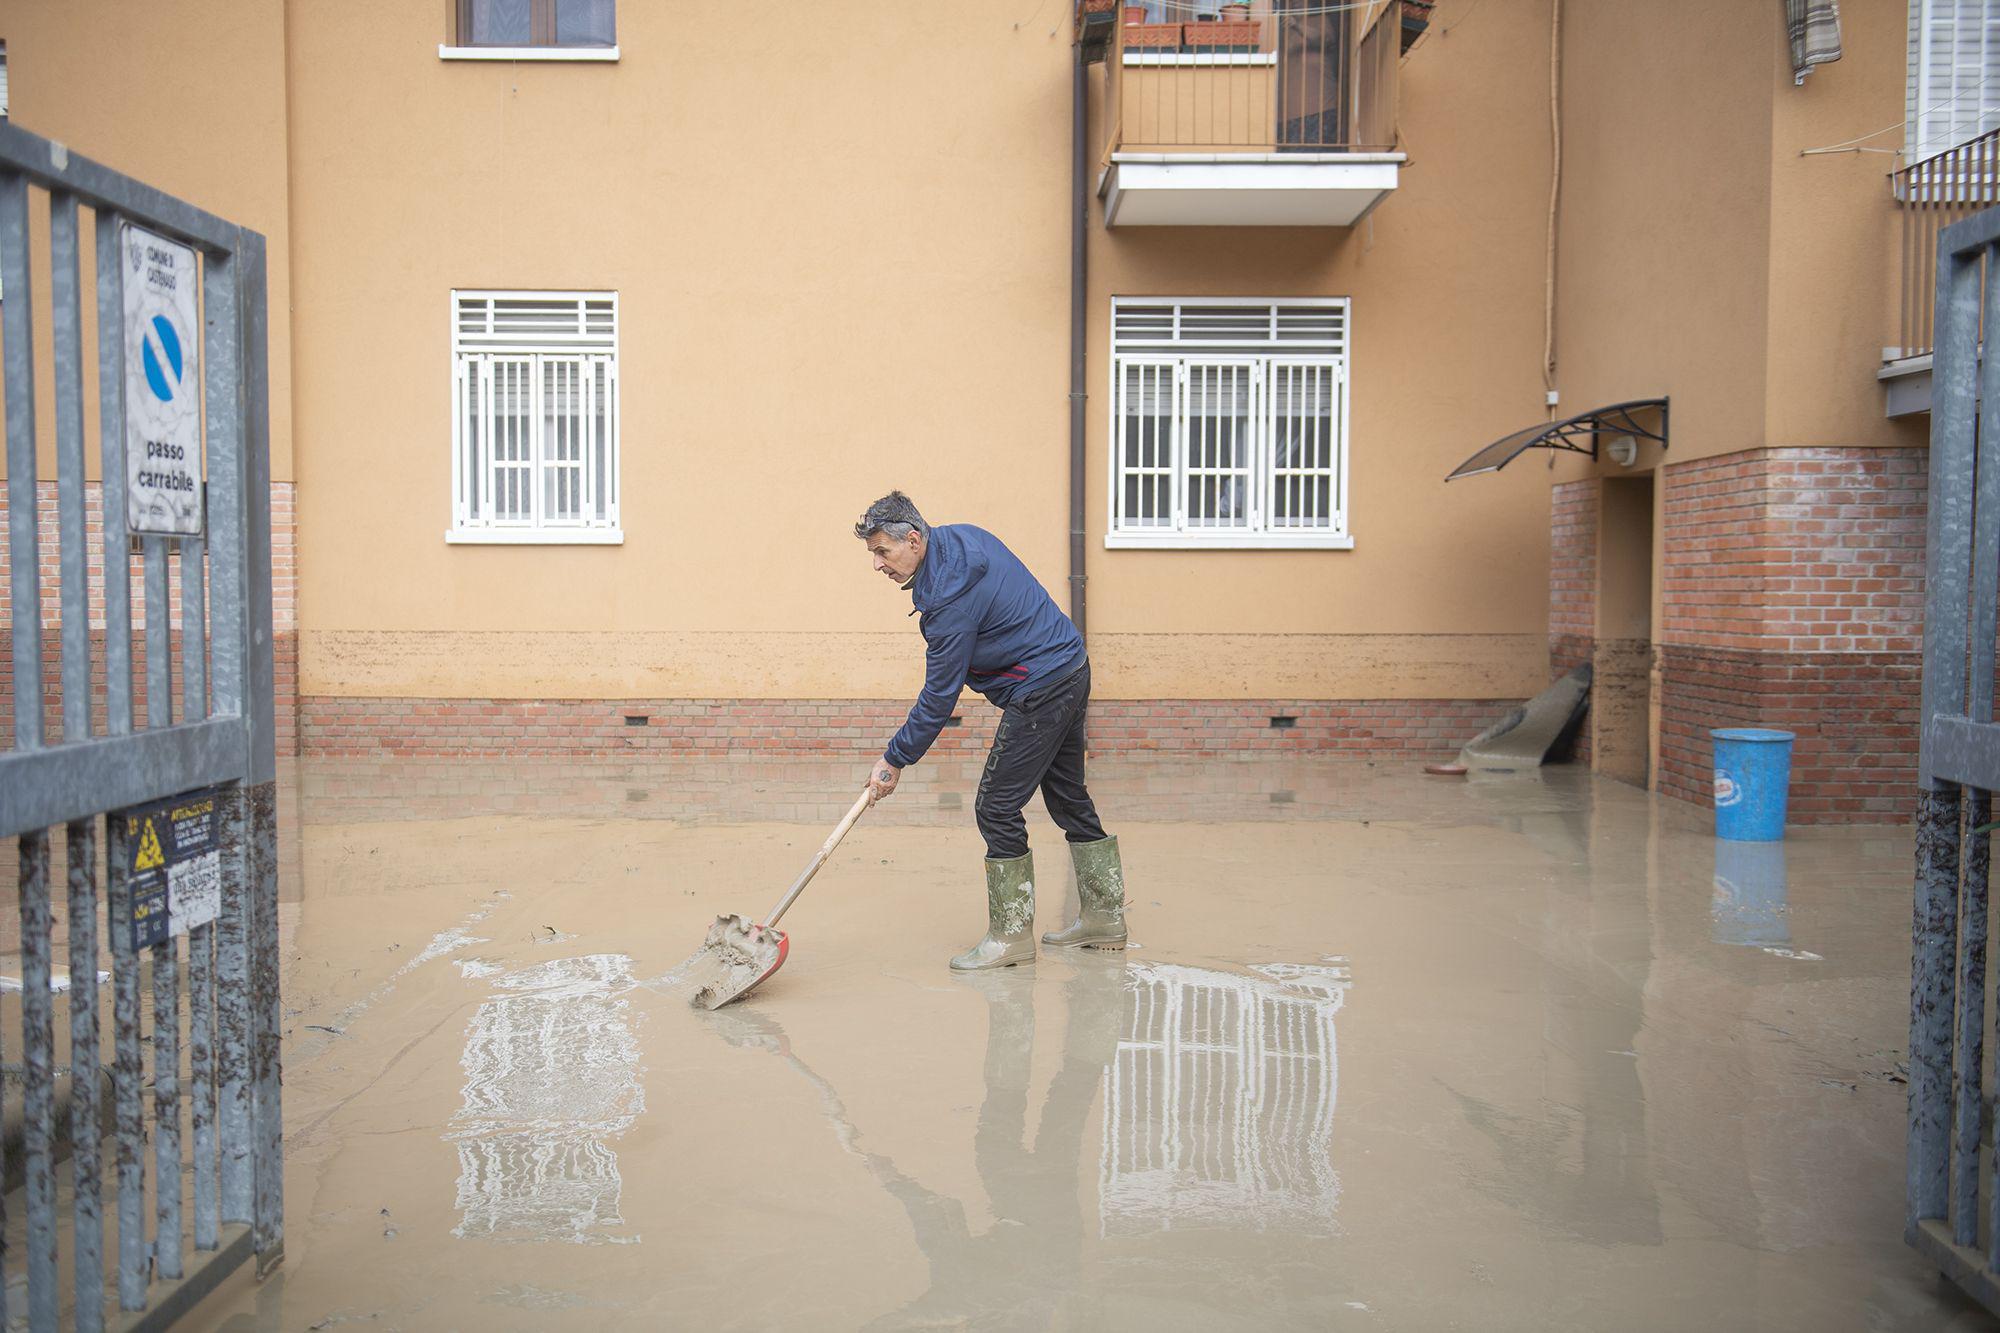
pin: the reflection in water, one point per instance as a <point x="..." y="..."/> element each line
<point x="1025" y="1266"/>
<point x="1218" y="1110"/>
<point x="1219" y="1093"/>
<point x="552" y="1073"/>
<point x="1748" y="906"/>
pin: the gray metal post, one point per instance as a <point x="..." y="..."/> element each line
<point x="1933" y="936"/>
<point x="38" y="1056"/>
<point x="127" y="1061"/>
<point x="80" y="835"/>
<point x="111" y="467"/>
<point x="232" y="1001"/>
<point x="166" y="1109"/>
<point x="260" y="713"/>
<point x="23" y="536"/>
<point x="127" y="1075"/>
<point x="1968" y="1064"/>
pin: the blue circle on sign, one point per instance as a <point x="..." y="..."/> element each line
<point x="157" y="376"/>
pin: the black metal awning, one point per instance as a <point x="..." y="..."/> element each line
<point x="1577" y="435"/>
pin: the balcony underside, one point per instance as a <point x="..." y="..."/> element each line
<point x="1245" y="189"/>
<point x="1906" y="386"/>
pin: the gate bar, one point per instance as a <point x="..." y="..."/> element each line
<point x="127" y="1062"/>
<point x="80" y="835"/>
<point x="23" y="537"/>
<point x="42" y="788"/>
<point x="127" y="1076"/>
<point x="54" y="167"/>
<point x="111" y="468"/>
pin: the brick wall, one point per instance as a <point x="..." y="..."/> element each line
<point x="284" y="616"/>
<point x="1573" y="586"/>
<point x="442" y="727"/>
<point x="1573" y="561"/>
<point x="1793" y="597"/>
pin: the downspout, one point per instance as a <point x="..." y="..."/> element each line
<point x="1555" y="201"/>
<point x="1079" y="220"/>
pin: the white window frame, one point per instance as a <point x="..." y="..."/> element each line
<point x="519" y="54"/>
<point x="476" y="360"/>
<point x="1172" y="351"/>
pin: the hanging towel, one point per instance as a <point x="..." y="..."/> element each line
<point x="1814" y="29"/>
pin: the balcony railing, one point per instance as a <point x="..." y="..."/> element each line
<point x="1935" y="193"/>
<point x="1272" y="76"/>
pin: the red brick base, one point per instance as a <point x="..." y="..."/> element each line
<point x="1855" y="716"/>
<point x="546" y="727"/>
<point x="284" y="597"/>
<point x="1793" y="596"/>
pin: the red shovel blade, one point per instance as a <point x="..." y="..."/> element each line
<point x="736" y="958"/>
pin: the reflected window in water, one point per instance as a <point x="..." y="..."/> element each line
<point x="552" y="1076"/>
<point x="1218" y="1109"/>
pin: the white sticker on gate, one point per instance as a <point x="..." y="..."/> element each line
<point x="162" y="387"/>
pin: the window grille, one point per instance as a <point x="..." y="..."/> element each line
<point x="1953" y="93"/>
<point x="535" y="416"/>
<point x="1229" y="423"/>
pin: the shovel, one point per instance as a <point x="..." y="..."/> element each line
<point x="738" y="954"/>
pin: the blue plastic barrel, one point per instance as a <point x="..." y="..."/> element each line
<point x="1753" y="771"/>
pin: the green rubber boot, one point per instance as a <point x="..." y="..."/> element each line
<point x="1010" y="917"/>
<point x="1100" y="887"/>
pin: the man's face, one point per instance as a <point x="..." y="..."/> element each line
<point x="895" y="559"/>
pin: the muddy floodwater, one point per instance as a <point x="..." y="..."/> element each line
<point x="1389" y="1052"/>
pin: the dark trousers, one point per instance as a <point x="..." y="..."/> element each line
<point x="1039" y="743"/>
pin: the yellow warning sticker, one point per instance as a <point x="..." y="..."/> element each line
<point x="150" y="856"/>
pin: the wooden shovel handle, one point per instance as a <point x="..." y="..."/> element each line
<point x="861" y="802"/>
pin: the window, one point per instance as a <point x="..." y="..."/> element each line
<point x="1229" y="423"/>
<point x="1954" y="84"/>
<point x="534" y="29"/>
<point x="534" y="417"/>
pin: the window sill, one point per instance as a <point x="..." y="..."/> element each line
<point x="555" y="53"/>
<point x="1188" y="58"/>
<point x="535" y="537"/>
<point x="1181" y="541"/>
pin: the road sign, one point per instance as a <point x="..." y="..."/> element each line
<point x="176" y="866"/>
<point x="162" y="387"/>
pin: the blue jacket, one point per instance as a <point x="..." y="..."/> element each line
<point x="989" y="624"/>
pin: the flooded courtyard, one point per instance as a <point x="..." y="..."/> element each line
<point x="1389" y="1052"/>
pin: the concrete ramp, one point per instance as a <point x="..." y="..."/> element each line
<point x="1524" y="737"/>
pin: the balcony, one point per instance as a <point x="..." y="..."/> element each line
<point x="1277" y="113"/>
<point x="1933" y="194"/>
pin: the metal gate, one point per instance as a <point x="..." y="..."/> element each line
<point x="1954" y="1198"/>
<point x="208" y="956"/>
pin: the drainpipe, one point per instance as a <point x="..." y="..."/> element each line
<point x="1079" y="221"/>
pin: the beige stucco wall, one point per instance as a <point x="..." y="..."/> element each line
<point x="854" y="280"/>
<point x="187" y="95"/>
<point x="1702" y="256"/>
<point x="1665" y="227"/>
<point x="841" y="252"/>
<point x="1446" y="336"/>
<point x="1836" y="237"/>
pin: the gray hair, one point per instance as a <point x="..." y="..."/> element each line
<point x="895" y="516"/>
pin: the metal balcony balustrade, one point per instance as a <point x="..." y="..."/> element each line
<point x="1934" y="193"/>
<point x="1271" y="76"/>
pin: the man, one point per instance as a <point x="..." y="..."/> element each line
<point x="988" y="623"/>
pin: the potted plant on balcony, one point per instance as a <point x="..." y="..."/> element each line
<point x="1134" y="15"/>
<point x="1233" y="32"/>
<point x="1152" y="36"/>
